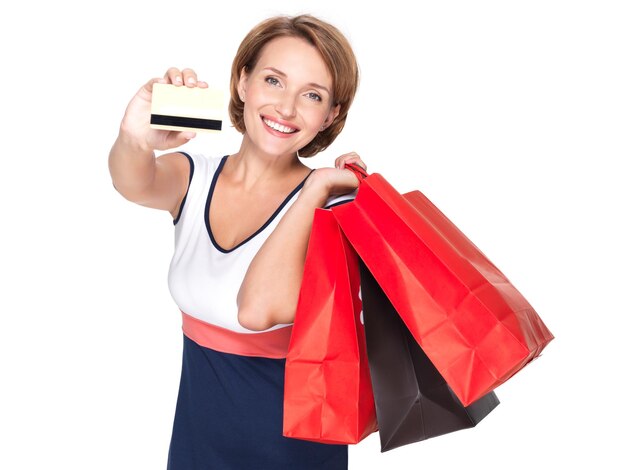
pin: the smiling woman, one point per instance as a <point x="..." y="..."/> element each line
<point x="325" y="41"/>
<point x="287" y="95"/>
<point x="242" y="223"/>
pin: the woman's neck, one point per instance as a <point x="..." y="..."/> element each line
<point x="251" y="167"/>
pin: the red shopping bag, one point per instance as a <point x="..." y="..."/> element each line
<point x="476" y="328"/>
<point x="328" y="390"/>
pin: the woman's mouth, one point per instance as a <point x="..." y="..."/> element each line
<point x="283" y="129"/>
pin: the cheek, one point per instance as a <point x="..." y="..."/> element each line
<point x="260" y="94"/>
<point x="249" y="116"/>
<point x="254" y="100"/>
<point x="315" y="116"/>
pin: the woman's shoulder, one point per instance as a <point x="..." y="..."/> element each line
<point x="202" y="159"/>
<point x="202" y="169"/>
<point x="201" y="164"/>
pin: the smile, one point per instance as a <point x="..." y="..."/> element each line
<point x="279" y="127"/>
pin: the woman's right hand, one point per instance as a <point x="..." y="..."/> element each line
<point x="136" y="122"/>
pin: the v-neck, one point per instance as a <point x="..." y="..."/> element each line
<point x="263" y="227"/>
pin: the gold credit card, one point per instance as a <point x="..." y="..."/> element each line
<point x="180" y="108"/>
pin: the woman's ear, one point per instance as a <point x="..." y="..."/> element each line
<point x="332" y="114"/>
<point x="243" y="84"/>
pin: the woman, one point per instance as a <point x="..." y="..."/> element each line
<point x="242" y="224"/>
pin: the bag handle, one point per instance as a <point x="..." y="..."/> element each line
<point x="358" y="171"/>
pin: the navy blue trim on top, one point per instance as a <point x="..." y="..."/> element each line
<point x="182" y="203"/>
<point x="263" y="227"/>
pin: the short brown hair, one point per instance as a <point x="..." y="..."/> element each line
<point x="332" y="46"/>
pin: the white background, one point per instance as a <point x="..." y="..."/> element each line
<point x="510" y="116"/>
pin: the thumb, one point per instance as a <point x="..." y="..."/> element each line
<point x="180" y="138"/>
<point x="187" y="135"/>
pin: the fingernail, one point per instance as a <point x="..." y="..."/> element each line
<point x="178" y="79"/>
<point x="191" y="80"/>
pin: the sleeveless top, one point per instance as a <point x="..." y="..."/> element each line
<point x="204" y="278"/>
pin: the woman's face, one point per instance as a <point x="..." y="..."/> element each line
<point x="288" y="96"/>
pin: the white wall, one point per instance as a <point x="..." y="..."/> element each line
<point x="508" y="115"/>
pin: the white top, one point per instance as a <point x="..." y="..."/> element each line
<point x="204" y="278"/>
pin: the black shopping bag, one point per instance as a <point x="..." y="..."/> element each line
<point x="413" y="401"/>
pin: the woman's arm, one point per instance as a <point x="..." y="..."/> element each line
<point x="269" y="293"/>
<point x="136" y="174"/>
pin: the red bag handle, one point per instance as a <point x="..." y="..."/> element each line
<point x="358" y="171"/>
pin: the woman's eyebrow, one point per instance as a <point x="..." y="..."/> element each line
<point x="283" y="74"/>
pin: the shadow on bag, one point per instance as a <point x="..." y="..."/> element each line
<point x="413" y="402"/>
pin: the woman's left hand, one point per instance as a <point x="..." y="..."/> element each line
<point x="328" y="182"/>
<point x="351" y="157"/>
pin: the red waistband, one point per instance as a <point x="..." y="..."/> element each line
<point x="272" y="344"/>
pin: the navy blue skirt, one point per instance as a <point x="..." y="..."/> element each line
<point x="229" y="415"/>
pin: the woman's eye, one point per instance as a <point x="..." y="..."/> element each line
<point x="314" y="96"/>
<point x="272" y="81"/>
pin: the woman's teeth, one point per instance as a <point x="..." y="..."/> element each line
<point x="279" y="127"/>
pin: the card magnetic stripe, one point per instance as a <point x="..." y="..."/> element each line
<point x="179" y="121"/>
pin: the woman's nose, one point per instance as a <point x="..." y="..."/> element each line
<point x="286" y="105"/>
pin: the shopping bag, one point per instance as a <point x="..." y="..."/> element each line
<point x="328" y="390"/>
<point x="472" y="323"/>
<point x="413" y="401"/>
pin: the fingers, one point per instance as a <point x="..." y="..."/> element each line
<point x="351" y="157"/>
<point x="189" y="78"/>
<point x="174" y="76"/>
<point x="186" y="77"/>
